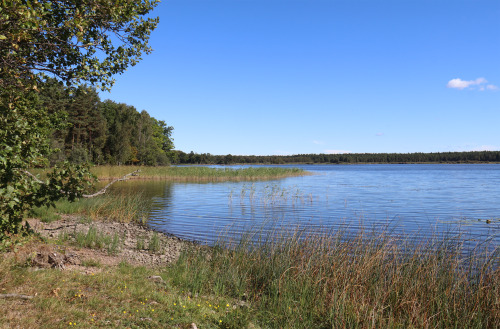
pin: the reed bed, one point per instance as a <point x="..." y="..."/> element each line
<point x="121" y="207"/>
<point x="196" y="174"/>
<point x="332" y="280"/>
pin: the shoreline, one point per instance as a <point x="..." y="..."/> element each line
<point x="134" y="240"/>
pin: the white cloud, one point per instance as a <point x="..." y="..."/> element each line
<point x="336" y="151"/>
<point x="491" y="87"/>
<point x="379" y="134"/>
<point x="462" y="84"/>
<point x="318" y="142"/>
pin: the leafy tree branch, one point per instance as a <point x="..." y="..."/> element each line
<point x="75" y="42"/>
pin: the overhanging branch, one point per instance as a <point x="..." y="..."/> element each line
<point x="102" y="191"/>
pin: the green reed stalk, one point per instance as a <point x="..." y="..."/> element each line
<point x="121" y="207"/>
<point x="332" y="280"/>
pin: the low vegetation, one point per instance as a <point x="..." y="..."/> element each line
<point x="120" y="207"/>
<point x="335" y="281"/>
<point x="97" y="240"/>
<point x="195" y="173"/>
<point x="189" y="173"/>
<point x="287" y="280"/>
<point x="116" y="297"/>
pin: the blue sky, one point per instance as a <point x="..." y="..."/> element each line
<point x="315" y="76"/>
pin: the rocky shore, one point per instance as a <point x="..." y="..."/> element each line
<point x="132" y="246"/>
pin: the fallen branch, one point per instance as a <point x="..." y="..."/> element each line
<point x="2" y="296"/>
<point x="102" y="191"/>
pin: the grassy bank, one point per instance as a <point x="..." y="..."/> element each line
<point x="112" y="297"/>
<point x="197" y="174"/>
<point x="330" y="281"/>
<point x="292" y="281"/>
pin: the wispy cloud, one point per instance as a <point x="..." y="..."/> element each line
<point x="318" y="142"/>
<point x="470" y="84"/>
<point x="473" y="147"/>
<point x="336" y="151"/>
<point x="279" y="152"/>
<point x="486" y="148"/>
<point x="379" y="134"/>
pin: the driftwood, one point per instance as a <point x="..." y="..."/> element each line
<point x="102" y="191"/>
<point x="17" y="296"/>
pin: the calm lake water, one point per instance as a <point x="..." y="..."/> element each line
<point x="414" y="200"/>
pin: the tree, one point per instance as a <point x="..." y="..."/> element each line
<point x="87" y="126"/>
<point x="76" y="42"/>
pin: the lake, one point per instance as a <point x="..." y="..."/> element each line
<point x="415" y="200"/>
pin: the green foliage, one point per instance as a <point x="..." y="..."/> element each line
<point x="103" y="132"/>
<point x="75" y="42"/>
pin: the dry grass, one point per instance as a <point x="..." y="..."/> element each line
<point x="335" y="281"/>
<point x="196" y="174"/>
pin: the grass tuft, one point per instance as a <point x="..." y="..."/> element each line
<point x="95" y="240"/>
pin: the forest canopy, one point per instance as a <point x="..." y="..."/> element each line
<point x="103" y="132"/>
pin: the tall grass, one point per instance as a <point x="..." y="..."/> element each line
<point x="120" y="207"/>
<point x="197" y="173"/>
<point x="332" y="280"/>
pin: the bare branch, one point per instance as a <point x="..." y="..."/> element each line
<point x="102" y="191"/>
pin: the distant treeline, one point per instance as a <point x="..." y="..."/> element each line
<point x="180" y="157"/>
<point x="103" y="132"/>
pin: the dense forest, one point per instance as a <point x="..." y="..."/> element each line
<point x="350" y="158"/>
<point x="103" y="132"/>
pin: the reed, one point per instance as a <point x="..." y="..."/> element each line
<point x="196" y="173"/>
<point x="119" y="207"/>
<point x="333" y="280"/>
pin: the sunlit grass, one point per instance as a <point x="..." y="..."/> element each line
<point x="117" y="297"/>
<point x="332" y="280"/>
<point x="119" y="207"/>
<point x="190" y="173"/>
<point x="287" y="279"/>
<point x="196" y="173"/>
<point x="97" y="240"/>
